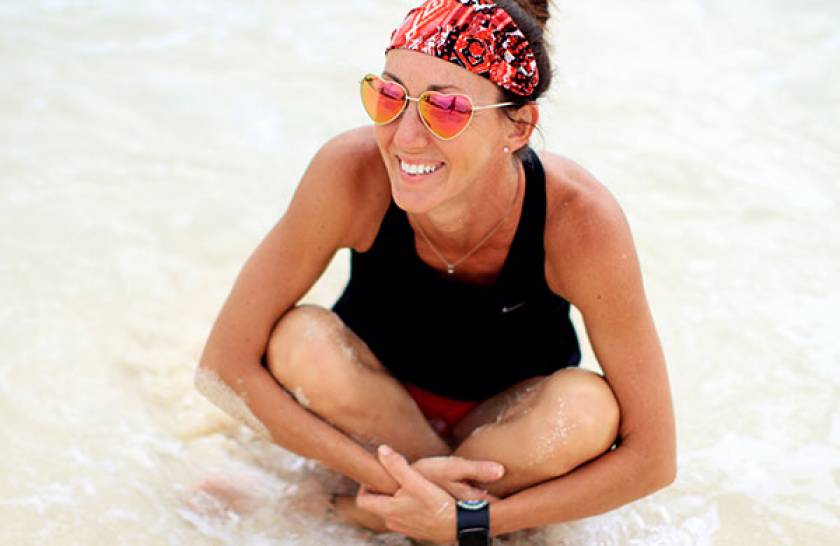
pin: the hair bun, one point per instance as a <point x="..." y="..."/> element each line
<point x="538" y="9"/>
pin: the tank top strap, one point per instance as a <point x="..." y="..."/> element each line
<point x="394" y="231"/>
<point x="524" y="265"/>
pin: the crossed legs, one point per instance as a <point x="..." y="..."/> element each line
<point x="539" y="429"/>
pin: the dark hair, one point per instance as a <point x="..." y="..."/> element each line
<point x="531" y="17"/>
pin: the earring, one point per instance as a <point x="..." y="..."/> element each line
<point x="507" y="150"/>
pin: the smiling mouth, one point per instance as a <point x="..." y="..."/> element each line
<point x="419" y="169"/>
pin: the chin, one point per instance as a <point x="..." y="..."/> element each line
<point x="413" y="200"/>
<point x="416" y="199"/>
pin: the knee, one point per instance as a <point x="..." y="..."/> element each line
<point x="595" y="407"/>
<point x="309" y="354"/>
<point x="583" y="410"/>
<point x="297" y="331"/>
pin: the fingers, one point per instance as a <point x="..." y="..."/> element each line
<point x="400" y="470"/>
<point x="378" y="504"/>
<point x="454" y="468"/>
<point x="346" y="509"/>
<point x="464" y="491"/>
<point x="481" y="471"/>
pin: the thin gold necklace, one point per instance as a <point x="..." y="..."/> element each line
<point x="450" y="266"/>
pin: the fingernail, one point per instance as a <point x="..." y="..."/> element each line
<point x="385" y="450"/>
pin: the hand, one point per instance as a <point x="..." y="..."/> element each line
<point x="419" y="509"/>
<point x="450" y="473"/>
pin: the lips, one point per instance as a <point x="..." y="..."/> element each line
<point x="418" y="168"/>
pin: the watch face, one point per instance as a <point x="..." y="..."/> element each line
<point x="473" y="537"/>
<point x="472" y="504"/>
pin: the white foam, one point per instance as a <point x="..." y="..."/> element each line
<point x="321" y="328"/>
<point x="214" y="389"/>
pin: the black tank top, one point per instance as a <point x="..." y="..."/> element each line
<point x="460" y="340"/>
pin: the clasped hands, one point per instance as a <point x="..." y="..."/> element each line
<point x="424" y="505"/>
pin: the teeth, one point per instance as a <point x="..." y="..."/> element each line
<point x="418" y="169"/>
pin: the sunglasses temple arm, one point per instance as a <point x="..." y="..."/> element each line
<point x="487" y="107"/>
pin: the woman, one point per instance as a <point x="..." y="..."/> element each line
<point x="451" y="347"/>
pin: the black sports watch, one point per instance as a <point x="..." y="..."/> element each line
<point x="473" y="518"/>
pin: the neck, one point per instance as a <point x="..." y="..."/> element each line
<point x="458" y="224"/>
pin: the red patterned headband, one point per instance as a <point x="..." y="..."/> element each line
<point x="475" y="34"/>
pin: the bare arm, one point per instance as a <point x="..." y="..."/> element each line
<point x="324" y="215"/>
<point x="605" y="283"/>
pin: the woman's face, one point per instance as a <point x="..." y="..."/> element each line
<point x="473" y="155"/>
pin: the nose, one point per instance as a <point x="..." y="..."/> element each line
<point x="410" y="132"/>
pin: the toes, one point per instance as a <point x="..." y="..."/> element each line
<point x="226" y="494"/>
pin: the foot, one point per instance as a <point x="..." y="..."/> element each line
<point x="219" y="494"/>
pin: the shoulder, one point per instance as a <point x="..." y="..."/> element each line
<point x="355" y="142"/>
<point x="352" y="157"/>
<point x="350" y="173"/>
<point x="586" y="231"/>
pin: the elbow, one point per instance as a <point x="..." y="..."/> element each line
<point x="213" y="364"/>
<point x="206" y="379"/>
<point x="668" y="472"/>
<point x="657" y="475"/>
<point x="200" y="377"/>
<point x="662" y="470"/>
<point x="656" y="466"/>
<point x="669" y="461"/>
<point x="203" y="366"/>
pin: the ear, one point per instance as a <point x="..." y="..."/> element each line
<point x="520" y="130"/>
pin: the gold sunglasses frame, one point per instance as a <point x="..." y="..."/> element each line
<point x="473" y="108"/>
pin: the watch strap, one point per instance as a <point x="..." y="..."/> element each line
<point x="473" y="519"/>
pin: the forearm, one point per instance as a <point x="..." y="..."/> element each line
<point x="612" y="480"/>
<point x="254" y="395"/>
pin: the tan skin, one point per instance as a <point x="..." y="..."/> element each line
<point x="551" y="473"/>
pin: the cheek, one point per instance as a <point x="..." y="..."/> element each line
<point x="383" y="133"/>
<point x="383" y="136"/>
<point x="487" y="126"/>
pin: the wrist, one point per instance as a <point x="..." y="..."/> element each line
<point x="505" y="518"/>
<point x="473" y="523"/>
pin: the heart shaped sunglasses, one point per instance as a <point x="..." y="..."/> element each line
<point x="445" y="116"/>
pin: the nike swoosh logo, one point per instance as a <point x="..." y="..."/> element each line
<point x="507" y="309"/>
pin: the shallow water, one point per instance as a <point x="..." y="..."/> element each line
<point x="147" y="147"/>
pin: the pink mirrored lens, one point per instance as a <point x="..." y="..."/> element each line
<point x="446" y="115"/>
<point x="383" y="101"/>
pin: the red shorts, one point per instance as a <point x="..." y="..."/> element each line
<point x="442" y="413"/>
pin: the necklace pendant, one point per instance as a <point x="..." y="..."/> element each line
<point x="450" y="269"/>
